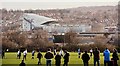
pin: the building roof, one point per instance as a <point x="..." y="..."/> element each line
<point x="38" y="20"/>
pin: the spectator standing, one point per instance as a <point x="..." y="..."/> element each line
<point x="33" y="53"/>
<point x="106" y="55"/>
<point x="79" y="53"/>
<point x="22" y="63"/>
<point x="85" y="58"/>
<point x="57" y="60"/>
<point x="39" y="56"/>
<point x="96" y="54"/>
<point x="115" y="57"/>
<point x="48" y="57"/>
<point x="66" y="58"/>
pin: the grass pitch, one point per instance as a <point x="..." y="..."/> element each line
<point x="11" y="60"/>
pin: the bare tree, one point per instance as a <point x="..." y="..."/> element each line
<point x="71" y="38"/>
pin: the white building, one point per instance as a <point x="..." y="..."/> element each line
<point x="66" y="28"/>
<point x="31" y="21"/>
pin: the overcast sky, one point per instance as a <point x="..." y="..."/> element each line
<point x="53" y="4"/>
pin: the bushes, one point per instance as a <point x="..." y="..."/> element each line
<point x="71" y="48"/>
<point x="87" y="47"/>
<point x="39" y="40"/>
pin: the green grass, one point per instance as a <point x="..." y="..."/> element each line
<point x="11" y="59"/>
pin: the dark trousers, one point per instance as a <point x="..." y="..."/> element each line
<point x="78" y="55"/>
<point x="19" y="56"/>
<point x="85" y="63"/>
<point x="24" y="57"/>
<point x="57" y="63"/>
<point x="106" y="63"/>
<point x="54" y="53"/>
<point x="48" y="62"/>
<point x="39" y="61"/>
<point x="90" y="53"/>
<point x="115" y="63"/>
<point x="98" y="62"/>
<point x="32" y="56"/>
<point x="65" y="64"/>
<point x="3" y="56"/>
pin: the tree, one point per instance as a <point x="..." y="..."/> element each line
<point x="100" y="40"/>
<point x="40" y="39"/>
<point x="6" y="43"/>
<point x="71" y="38"/>
<point x="18" y="38"/>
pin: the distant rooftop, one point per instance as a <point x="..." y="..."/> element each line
<point x="38" y="20"/>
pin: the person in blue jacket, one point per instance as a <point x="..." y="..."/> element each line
<point x="106" y="55"/>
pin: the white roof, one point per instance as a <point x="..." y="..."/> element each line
<point x="1" y="21"/>
<point x="38" y="20"/>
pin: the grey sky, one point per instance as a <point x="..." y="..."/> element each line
<point x="52" y="5"/>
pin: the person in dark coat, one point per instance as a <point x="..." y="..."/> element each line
<point x="57" y="60"/>
<point x="49" y="57"/>
<point x="115" y="57"/>
<point x="66" y="58"/>
<point x="22" y="63"/>
<point x="39" y="56"/>
<point x="96" y="54"/>
<point x="85" y="58"/>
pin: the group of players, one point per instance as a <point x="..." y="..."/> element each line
<point x="63" y="53"/>
<point x="48" y="56"/>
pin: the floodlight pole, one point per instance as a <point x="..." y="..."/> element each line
<point x="64" y="40"/>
